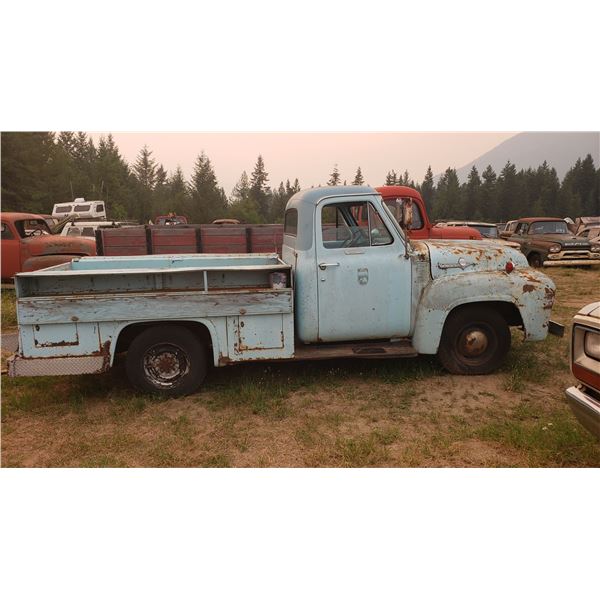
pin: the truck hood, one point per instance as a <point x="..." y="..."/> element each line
<point x="43" y="245"/>
<point x="452" y="257"/>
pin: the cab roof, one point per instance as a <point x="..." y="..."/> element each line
<point x="315" y="195"/>
<point x="532" y="219"/>
<point x="20" y="216"/>
<point x="389" y="191"/>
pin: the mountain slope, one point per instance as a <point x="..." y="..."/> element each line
<point x="530" y="149"/>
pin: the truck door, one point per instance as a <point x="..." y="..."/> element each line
<point x="364" y="280"/>
<point x="11" y="251"/>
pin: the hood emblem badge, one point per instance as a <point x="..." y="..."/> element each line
<point x="461" y="264"/>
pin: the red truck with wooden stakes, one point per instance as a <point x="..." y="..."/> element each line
<point x="405" y="203"/>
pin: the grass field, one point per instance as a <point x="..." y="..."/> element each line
<point x="353" y="413"/>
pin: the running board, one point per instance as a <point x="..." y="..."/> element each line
<point x="356" y="350"/>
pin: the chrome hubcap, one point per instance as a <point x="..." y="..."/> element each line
<point x="165" y="364"/>
<point x="473" y="343"/>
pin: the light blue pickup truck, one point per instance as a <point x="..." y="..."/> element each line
<point x="349" y="284"/>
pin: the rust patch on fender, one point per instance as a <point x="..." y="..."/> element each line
<point x="528" y="287"/>
<point x="549" y="297"/>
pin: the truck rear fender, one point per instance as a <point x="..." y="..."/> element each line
<point x="524" y="298"/>
<point x="206" y="330"/>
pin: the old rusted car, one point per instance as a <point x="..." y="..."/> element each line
<point x="28" y="244"/>
<point x="584" y="398"/>
<point x="548" y="242"/>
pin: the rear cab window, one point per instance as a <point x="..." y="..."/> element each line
<point x="290" y="226"/>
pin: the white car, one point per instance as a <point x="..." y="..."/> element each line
<point x="88" y="228"/>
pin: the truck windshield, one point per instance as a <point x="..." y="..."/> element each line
<point x="540" y="227"/>
<point x="486" y="231"/>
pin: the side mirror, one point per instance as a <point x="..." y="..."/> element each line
<point x="407" y="213"/>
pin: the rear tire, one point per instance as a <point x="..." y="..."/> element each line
<point x="168" y="360"/>
<point x="475" y="341"/>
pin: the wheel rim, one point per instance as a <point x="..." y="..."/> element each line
<point x="475" y="344"/>
<point x="165" y="365"/>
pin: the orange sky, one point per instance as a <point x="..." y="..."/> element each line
<point x="311" y="156"/>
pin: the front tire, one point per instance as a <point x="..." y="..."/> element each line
<point x="475" y="341"/>
<point x="535" y="260"/>
<point x="168" y="360"/>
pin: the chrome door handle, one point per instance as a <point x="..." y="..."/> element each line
<point x="323" y="266"/>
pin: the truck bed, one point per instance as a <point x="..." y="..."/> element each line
<point x="80" y="308"/>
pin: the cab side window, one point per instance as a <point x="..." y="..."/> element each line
<point x="521" y="228"/>
<point x="7" y="233"/>
<point x="380" y="236"/>
<point x="353" y="225"/>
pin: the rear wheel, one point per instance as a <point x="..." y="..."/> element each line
<point x="168" y="360"/>
<point x="475" y="341"/>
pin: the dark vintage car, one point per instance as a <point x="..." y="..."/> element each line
<point x="548" y="242"/>
<point x="584" y="398"/>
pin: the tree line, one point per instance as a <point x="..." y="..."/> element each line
<point x="40" y="169"/>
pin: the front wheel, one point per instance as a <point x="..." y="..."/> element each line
<point x="535" y="260"/>
<point x="475" y="341"/>
<point x="168" y="360"/>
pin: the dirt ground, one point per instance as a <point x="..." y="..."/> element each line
<point x="336" y="413"/>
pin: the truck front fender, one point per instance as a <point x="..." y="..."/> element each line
<point x="531" y="292"/>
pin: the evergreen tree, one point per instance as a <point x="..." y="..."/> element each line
<point x="428" y="190"/>
<point x="259" y="191"/>
<point x="280" y="198"/>
<point x="448" y="196"/>
<point x="509" y="193"/>
<point x="113" y="179"/>
<point x="208" y="199"/>
<point x="489" y="195"/>
<point x="28" y="176"/>
<point x="144" y="169"/>
<point x="242" y="207"/>
<point x="294" y="189"/>
<point x="581" y="182"/>
<point x="241" y="191"/>
<point x="177" y="194"/>
<point x="549" y="187"/>
<point x="472" y="208"/>
<point x="358" y="178"/>
<point x="391" y="178"/>
<point x="334" y="178"/>
<point x="406" y="180"/>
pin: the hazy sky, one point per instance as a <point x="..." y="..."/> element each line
<point x="311" y="156"/>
